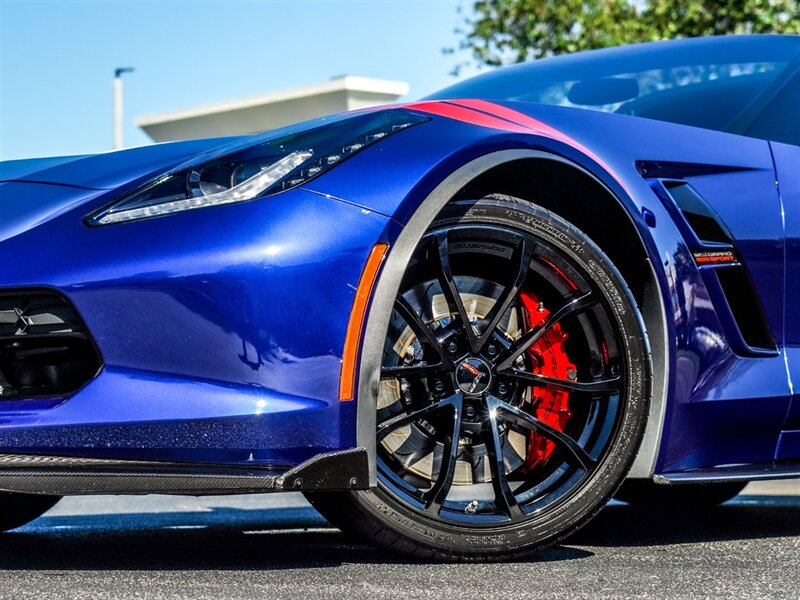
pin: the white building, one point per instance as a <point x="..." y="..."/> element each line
<point x="275" y="109"/>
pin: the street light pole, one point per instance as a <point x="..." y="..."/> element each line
<point x="118" y="122"/>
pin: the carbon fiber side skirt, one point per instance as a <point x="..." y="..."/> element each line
<point x="66" y="476"/>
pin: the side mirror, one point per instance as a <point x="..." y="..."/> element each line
<point x="602" y="91"/>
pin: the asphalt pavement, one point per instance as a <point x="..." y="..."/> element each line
<point x="276" y="546"/>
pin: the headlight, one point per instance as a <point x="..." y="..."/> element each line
<point x="260" y="170"/>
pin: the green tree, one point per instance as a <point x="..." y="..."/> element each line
<point x="676" y="18"/>
<point x="506" y="31"/>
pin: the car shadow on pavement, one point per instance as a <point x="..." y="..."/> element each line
<point x="747" y="517"/>
<point x="220" y="539"/>
<point x="266" y="539"/>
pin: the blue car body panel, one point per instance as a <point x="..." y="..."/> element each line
<point x="221" y="330"/>
<point x="787" y="162"/>
<point x="220" y="336"/>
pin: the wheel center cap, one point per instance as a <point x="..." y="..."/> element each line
<point x="473" y="376"/>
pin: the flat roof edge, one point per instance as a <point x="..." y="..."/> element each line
<point x="348" y="83"/>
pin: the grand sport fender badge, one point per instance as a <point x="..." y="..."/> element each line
<point x="717" y="257"/>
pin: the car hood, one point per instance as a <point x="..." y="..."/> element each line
<point x="35" y="191"/>
<point x="110" y="169"/>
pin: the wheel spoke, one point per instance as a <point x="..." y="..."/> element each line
<point x="436" y="495"/>
<point x="417" y="447"/>
<point x="523" y="254"/>
<point x="523" y="419"/>
<point x="412" y="371"/>
<point x="571" y="307"/>
<point x="593" y="387"/>
<point x="418" y="326"/>
<point x="504" y="498"/>
<point x="404" y="419"/>
<point x="449" y="289"/>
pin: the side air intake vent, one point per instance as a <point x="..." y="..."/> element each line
<point x="723" y="270"/>
<point x="745" y="307"/>
<point x="698" y="214"/>
<point x="44" y="347"/>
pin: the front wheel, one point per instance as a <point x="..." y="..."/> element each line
<point x="513" y="394"/>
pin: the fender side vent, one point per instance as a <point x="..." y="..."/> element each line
<point x="699" y="215"/>
<point x="722" y="267"/>
<point x="44" y="348"/>
<point x="745" y="307"/>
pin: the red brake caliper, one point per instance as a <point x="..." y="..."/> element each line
<point x="549" y="404"/>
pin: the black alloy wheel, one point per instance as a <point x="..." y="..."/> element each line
<point x="513" y="390"/>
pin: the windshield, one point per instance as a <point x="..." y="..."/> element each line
<point x="713" y="83"/>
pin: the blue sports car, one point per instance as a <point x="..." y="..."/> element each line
<point x="459" y="325"/>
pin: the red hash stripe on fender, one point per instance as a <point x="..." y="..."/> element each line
<point x="513" y="116"/>
<point x="495" y="116"/>
<point x="459" y="113"/>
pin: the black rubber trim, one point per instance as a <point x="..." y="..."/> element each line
<point x="66" y="476"/>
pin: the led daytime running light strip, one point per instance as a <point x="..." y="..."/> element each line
<point x="249" y="188"/>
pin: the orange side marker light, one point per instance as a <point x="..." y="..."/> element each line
<point x="352" y="340"/>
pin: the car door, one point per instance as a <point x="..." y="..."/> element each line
<point x="780" y="122"/>
<point x="787" y="165"/>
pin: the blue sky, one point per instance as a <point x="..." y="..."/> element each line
<point x="57" y="58"/>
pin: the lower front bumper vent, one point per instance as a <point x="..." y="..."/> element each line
<point x="45" y="350"/>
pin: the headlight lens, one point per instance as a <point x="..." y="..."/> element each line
<point x="260" y="170"/>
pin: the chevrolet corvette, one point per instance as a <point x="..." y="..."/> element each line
<point x="459" y="325"/>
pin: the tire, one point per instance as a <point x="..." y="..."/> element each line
<point x="644" y="492"/>
<point x="17" y="510"/>
<point x="530" y="465"/>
